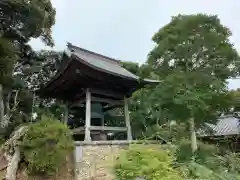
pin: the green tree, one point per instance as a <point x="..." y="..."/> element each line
<point x="20" y="21"/>
<point x="195" y="43"/>
<point x="143" y="71"/>
<point x="49" y="63"/>
<point x="143" y="115"/>
<point x="28" y="19"/>
<point x="235" y="101"/>
<point x="194" y="57"/>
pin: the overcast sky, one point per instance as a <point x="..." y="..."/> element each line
<point x="123" y="29"/>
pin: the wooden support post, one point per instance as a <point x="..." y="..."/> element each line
<point x="88" y="116"/>
<point x="102" y="121"/>
<point x="66" y="114"/>
<point x="127" y="119"/>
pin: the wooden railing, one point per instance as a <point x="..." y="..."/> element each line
<point x="100" y="128"/>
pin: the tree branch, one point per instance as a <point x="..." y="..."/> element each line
<point x="8" y="102"/>
<point x="1" y="105"/>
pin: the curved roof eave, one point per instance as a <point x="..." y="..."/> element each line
<point x="105" y="67"/>
<point x="102" y="66"/>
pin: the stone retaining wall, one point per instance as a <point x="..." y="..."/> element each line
<point x="95" y="160"/>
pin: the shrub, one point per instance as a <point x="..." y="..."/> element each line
<point x="46" y="145"/>
<point x="184" y="152"/>
<point x="209" y="163"/>
<point x="145" y="161"/>
<point x="230" y="162"/>
<point x="193" y="170"/>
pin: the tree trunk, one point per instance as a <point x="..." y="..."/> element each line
<point x="15" y="98"/>
<point x="1" y="105"/>
<point x="8" y="102"/>
<point x="13" y="165"/>
<point x="12" y="152"/>
<point x="193" y="136"/>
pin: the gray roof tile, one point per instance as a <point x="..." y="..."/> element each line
<point x="226" y="125"/>
<point x="104" y="63"/>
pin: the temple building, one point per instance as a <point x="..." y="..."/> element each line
<point x="95" y="90"/>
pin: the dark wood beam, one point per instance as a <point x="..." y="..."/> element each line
<point x="80" y="95"/>
<point x="106" y="100"/>
<point x="77" y="103"/>
<point x="107" y="108"/>
<point x="110" y="101"/>
<point x="107" y="93"/>
<point x="99" y="128"/>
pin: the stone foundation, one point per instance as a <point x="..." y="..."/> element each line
<point x="95" y="160"/>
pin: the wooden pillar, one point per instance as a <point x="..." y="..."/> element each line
<point x="127" y="119"/>
<point x="88" y="116"/>
<point x="66" y="114"/>
<point x="102" y="121"/>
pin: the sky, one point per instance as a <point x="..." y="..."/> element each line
<point x="123" y="29"/>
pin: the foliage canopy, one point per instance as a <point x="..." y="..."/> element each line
<point x="21" y="20"/>
<point x="195" y="43"/>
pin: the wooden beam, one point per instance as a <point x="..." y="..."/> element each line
<point x="77" y="103"/>
<point x="106" y="100"/>
<point x="107" y="93"/>
<point x="81" y="95"/>
<point x="108" y="128"/>
<point x="107" y="108"/>
<point x="82" y="129"/>
<point x="79" y="129"/>
<point x="127" y="119"/>
<point x="98" y="99"/>
<point x="88" y="116"/>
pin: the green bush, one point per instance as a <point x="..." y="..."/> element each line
<point x="209" y="163"/>
<point x="193" y="170"/>
<point x="146" y="161"/>
<point x="184" y="152"/>
<point x="230" y="162"/>
<point x="46" y="145"/>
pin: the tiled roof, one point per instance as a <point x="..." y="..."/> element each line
<point x="103" y="63"/>
<point x="226" y="125"/>
<point x="93" y="54"/>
